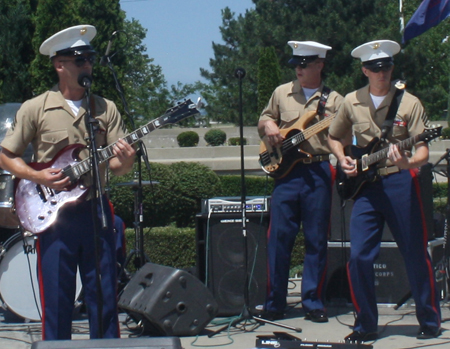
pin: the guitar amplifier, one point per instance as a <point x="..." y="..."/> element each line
<point x="233" y="204"/>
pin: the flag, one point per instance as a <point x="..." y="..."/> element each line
<point x="429" y="14"/>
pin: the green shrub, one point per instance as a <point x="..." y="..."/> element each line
<point x="163" y="245"/>
<point x="237" y="141"/>
<point x="196" y="182"/>
<point x="446" y="133"/>
<point x="255" y="185"/>
<point x="159" y="200"/>
<point x="215" y="137"/>
<point x="188" y="139"/>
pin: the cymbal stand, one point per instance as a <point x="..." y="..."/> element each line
<point x="246" y="314"/>
<point x="138" y="252"/>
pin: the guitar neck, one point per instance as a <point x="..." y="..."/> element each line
<point x="173" y="115"/>
<point x="383" y="153"/>
<point x="307" y="133"/>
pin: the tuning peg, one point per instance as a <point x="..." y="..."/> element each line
<point x="199" y="103"/>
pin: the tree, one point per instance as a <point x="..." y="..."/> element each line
<point x="340" y="24"/>
<point x="16" y="50"/>
<point x="268" y="75"/>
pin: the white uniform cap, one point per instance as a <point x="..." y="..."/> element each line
<point x="308" y="48"/>
<point x="376" y="50"/>
<point x="76" y="40"/>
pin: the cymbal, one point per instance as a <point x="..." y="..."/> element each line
<point x="135" y="183"/>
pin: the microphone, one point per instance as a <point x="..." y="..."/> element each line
<point x="104" y="59"/>
<point x="85" y="80"/>
<point x="239" y="73"/>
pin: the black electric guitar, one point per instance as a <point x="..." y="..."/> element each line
<point x="367" y="158"/>
<point x="277" y="162"/>
<point x="37" y="206"/>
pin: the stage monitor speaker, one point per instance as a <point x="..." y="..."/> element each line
<point x="168" y="301"/>
<point x="221" y="258"/>
<point x="341" y="211"/>
<point x="130" y="343"/>
<point x="391" y="281"/>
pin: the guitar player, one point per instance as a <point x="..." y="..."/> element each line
<point x="51" y="122"/>
<point x="303" y="195"/>
<point x="393" y="198"/>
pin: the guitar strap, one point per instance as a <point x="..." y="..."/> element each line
<point x="389" y="121"/>
<point x="323" y="100"/>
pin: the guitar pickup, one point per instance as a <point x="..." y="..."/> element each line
<point x="41" y="193"/>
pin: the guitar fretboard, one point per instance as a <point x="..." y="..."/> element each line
<point x="175" y="114"/>
<point x="298" y="138"/>
<point x="405" y="144"/>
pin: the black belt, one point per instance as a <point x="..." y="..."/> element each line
<point x="315" y="158"/>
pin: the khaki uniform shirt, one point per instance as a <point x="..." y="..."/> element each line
<point x="48" y="123"/>
<point x="358" y="115"/>
<point x="288" y="103"/>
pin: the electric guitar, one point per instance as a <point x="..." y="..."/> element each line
<point x="277" y="162"/>
<point x="367" y="158"/>
<point x="37" y="205"/>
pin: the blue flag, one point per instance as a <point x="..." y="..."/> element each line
<point x="429" y="14"/>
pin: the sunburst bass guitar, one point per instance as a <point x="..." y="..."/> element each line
<point x="367" y="158"/>
<point x="37" y="205"/>
<point x="278" y="161"/>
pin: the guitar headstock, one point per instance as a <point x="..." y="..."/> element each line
<point x="180" y="112"/>
<point x="431" y="133"/>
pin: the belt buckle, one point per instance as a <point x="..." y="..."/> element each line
<point x="308" y="161"/>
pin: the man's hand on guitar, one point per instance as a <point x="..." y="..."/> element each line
<point x="398" y="157"/>
<point x="348" y="165"/>
<point x="272" y="133"/>
<point x="53" y="178"/>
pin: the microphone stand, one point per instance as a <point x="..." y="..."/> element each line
<point x="92" y="127"/>
<point x="138" y="252"/>
<point x="246" y="312"/>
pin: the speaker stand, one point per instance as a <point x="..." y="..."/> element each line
<point x="246" y="314"/>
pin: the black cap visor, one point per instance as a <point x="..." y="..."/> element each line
<point x="76" y="51"/>
<point x="379" y="63"/>
<point x="302" y="60"/>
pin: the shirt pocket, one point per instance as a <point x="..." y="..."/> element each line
<point x="55" y="138"/>
<point x="289" y="116"/>
<point x="362" y="133"/>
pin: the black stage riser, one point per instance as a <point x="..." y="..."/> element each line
<point x="129" y="343"/>
<point x="168" y="301"/>
<point x="226" y="272"/>
<point x="391" y="281"/>
<point x="340" y="216"/>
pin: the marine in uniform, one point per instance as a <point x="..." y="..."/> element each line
<point x="51" y="122"/>
<point x="393" y="198"/>
<point x="303" y="195"/>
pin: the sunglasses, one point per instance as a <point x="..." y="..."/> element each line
<point x="81" y="60"/>
<point x="384" y="68"/>
<point x="303" y="65"/>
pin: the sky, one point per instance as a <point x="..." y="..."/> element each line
<point x="180" y="32"/>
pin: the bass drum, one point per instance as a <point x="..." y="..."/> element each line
<point x="19" y="288"/>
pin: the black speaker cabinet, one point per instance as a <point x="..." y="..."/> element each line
<point x="131" y="343"/>
<point x="341" y="211"/>
<point x="221" y="258"/>
<point x="169" y="302"/>
<point x="391" y="281"/>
